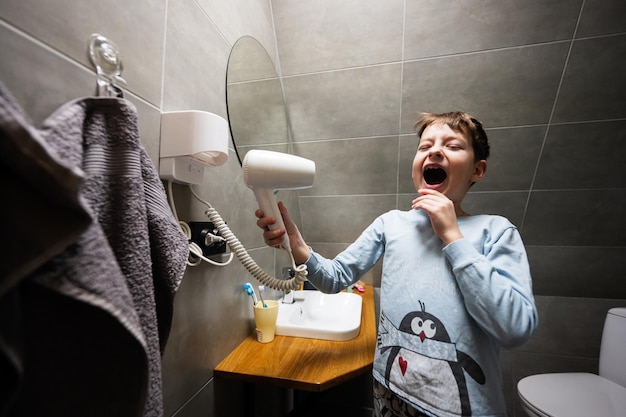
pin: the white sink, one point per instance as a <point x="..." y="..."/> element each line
<point x="316" y="315"/>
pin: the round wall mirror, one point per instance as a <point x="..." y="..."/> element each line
<point x="254" y="96"/>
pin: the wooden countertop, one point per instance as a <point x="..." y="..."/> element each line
<point x="305" y="364"/>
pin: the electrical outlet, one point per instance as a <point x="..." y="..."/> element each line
<point x="288" y="272"/>
<point x="203" y="234"/>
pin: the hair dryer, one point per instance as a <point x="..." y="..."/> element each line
<point x="266" y="172"/>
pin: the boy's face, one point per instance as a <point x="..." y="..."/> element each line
<point x="444" y="162"/>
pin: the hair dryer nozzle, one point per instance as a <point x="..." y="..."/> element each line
<point x="278" y="171"/>
<point x="266" y="172"/>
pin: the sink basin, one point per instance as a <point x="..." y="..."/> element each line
<point x="316" y="315"/>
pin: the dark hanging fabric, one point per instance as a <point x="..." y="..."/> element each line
<point x="96" y="256"/>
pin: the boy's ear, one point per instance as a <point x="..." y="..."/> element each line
<point x="480" y="170"/>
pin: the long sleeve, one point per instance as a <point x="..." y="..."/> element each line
<point x="333" y="275"/>
<point x="496" y="286"/>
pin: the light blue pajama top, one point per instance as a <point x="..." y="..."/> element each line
<point x="444" y="310"/>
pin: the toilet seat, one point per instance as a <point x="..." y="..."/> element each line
<point x="572" y="395"/>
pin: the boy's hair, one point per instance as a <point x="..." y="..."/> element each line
<point x="460" y="122"/>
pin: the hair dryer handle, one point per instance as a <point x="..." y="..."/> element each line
<point x="267" y="202"/>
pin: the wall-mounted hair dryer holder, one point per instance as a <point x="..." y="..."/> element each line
<point x="265" y="172"/>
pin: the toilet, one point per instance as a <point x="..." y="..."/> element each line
<point x="578" y="394"/>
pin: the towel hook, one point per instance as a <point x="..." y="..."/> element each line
<point x="105" y="56"/>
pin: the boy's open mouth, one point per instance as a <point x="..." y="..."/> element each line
<point x="434" y="175"/>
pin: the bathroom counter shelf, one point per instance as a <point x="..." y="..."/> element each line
<point x="305" y="364"/>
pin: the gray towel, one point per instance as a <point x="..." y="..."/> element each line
<point x="96" y="317"/>
<point x="40" y="186"/>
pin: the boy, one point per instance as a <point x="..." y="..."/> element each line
<point x="454" y="287"/>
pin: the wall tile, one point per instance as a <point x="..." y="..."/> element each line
<point x="281" y="147"/>
<point x="569" y="326"/>
<point x="345" y="216"/>
<point x="577" y="271"/>
<point x="238" y="17"/>
<point x="501" y="88"/>
<point x="513" y="159"/>
<point x="149" y="120"/>
<point x="509" y="204"/>
<point x="190" y="82"/>
<point x="408" y="147"/>
<point x="326" y="34"/>
<point x="526" y="364"/>
<point x="594" y="87"/>
<point x="40" y="93"/>
<point x="404" y="201"/>
<point x="602" y="17"/>
<point x="140" y="40"/>
<point x="476" y="25"/>
<point x="352" y="103"/>
<point x="352" y="166"/>
<point x="582" y="218"/>
<point x="567" y="161"/>
<point x="200" y="404"/>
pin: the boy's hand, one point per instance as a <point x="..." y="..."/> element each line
<point x="442" y="214"/>
<point x="272" y="237"/>
<point x="299" y="249"/>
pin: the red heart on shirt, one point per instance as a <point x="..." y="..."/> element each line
<point x="403" y="364"/>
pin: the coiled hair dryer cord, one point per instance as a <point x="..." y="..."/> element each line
<point x="249" y="263"/>
<point x="245" y="258"/>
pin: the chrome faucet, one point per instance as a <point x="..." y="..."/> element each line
<point x="288" y="296"/>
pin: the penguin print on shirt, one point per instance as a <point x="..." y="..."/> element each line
<point x="425" y="363"/>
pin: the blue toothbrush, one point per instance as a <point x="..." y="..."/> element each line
<point x="247" y="287"/>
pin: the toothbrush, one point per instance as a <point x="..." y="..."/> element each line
<point x="261" y="291"/>
<point x="359" y="286"/>
<point x="250" y="291"/>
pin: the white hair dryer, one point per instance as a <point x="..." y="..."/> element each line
<point x="266" y="172"/>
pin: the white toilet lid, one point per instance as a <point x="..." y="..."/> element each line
<point x="573" y="395"/>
